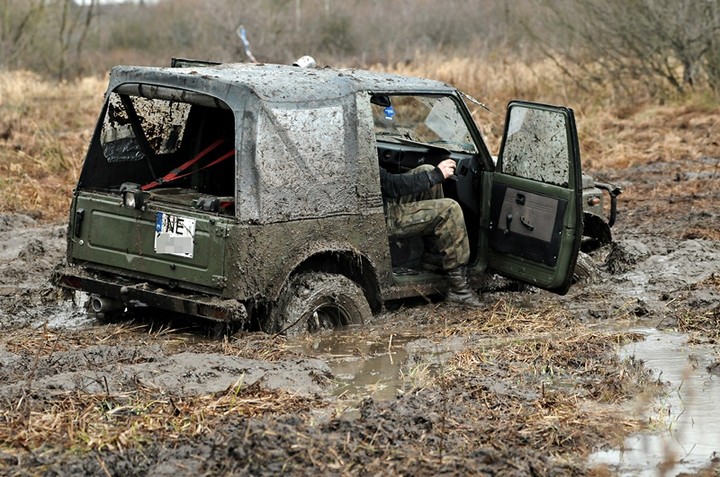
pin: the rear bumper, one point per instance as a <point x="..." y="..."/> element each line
<point x="134" y="294"/>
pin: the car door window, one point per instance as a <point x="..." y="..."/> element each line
<point x="536" y="146"/>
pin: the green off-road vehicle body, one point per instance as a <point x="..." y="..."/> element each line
<point x="250" y="193"/>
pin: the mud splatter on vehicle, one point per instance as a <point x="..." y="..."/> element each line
<point x="249" y="194"/>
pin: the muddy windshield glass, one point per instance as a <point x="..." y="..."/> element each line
<point x="537" y="146"/>
<point x="427" y="119"/>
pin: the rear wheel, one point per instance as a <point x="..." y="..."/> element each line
<point x="315" y="301"/>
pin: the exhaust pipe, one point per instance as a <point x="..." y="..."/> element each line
<point x="101" y="304"/>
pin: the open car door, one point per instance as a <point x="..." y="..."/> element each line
<point x="536" y="194"/>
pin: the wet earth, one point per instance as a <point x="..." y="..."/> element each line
<point x="618" y="377"/>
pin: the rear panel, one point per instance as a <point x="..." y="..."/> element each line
<point x="123" y="239"/>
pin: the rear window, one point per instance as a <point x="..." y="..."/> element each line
<point x="178" y="146"/>
<point x="161" y="123"/>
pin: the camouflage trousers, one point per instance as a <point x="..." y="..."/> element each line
<point x="434" y="217"/>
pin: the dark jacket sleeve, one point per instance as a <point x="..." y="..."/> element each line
<point x="398" y="185"/>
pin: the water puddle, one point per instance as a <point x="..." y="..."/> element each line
<point x="377" y="364"/>
<point x="687" y="420"/>
<point x="381" y="365"/>
<point x="70" y="314"/>
<point x="363" y="366"/>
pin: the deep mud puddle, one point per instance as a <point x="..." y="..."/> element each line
<point x="377" y="363"/>
<point x="363" y="366"/>
<point x="686" y="421"/>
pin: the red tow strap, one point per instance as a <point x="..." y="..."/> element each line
<point x="176" y="173"/>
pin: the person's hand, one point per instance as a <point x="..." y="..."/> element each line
<point x="447" y="167"/>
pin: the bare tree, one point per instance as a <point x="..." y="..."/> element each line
<point x="72" y="29"/>
<point x="18" y="20"/>
<point x="45" y="35"/>
<point x="655" y="42"/>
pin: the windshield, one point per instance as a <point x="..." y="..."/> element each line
<point x="426" y="119"/>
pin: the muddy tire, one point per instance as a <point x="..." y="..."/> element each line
<point x="315" y="301"/>
<point x="585" y="269"/>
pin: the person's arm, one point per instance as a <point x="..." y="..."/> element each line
<point x="398" y="185"/>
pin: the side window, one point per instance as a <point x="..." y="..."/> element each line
<point x="537" y="146"/>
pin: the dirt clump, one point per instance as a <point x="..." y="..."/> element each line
<point x="623" y="255"/>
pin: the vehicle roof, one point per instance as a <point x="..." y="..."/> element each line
<point x="281" y="83"/>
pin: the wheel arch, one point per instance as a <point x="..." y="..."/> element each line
<point x="341" y="260"/>
<point x="596" y="228"/>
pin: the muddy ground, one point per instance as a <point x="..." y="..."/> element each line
<point x="532" y="384"/>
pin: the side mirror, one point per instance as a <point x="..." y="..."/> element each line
<point x="382" y="100"/>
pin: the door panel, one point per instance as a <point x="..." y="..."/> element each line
<point x="535" y="203"/>
<point x="528" y="223"/>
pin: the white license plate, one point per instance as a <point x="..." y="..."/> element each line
<point x="174" y="235"/>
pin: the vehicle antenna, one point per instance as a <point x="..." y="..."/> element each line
<point x="246" y="44"/>
<point x="482" y="105"/>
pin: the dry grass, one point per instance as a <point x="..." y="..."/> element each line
<point x="552" y="387"/>
<point x="703" y="323"/>
<point x="677" y="133"/>
<point x="45" y="127"/>
<point x="539" y="376"/>
<point x="557" y="391"/>
<point x="44" y="130"/>
<point x="117" y="421"/>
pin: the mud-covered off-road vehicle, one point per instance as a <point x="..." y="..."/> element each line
<point x="250" y="193"/>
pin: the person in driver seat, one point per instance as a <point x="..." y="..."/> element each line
<point x="414" y="205"/>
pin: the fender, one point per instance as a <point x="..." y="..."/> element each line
<point x="333" y="257"/>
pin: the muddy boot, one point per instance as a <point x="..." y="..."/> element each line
<point x="459" y="290"/>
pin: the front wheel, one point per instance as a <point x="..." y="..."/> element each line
<point x="585" y="269"/>
<point x="315" y="301"/>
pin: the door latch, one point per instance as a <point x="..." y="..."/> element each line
<point x="527" y="224"/>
